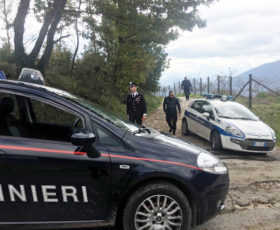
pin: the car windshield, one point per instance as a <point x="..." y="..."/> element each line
<point x="102" y="112"/>
<point x="98" y="110"/>
<point x="234" y="111"/>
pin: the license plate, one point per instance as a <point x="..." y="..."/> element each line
<point x="259" y="144"/>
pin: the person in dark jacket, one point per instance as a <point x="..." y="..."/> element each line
<point x="170" y="105"/>
<point x="187" y="87"/>
<point x="135" y="105"/>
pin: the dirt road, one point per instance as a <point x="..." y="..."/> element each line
<point x="254" y="197"/>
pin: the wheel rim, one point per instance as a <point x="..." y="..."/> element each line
<point x="159" y="212"/>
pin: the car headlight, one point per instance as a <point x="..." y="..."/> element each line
<point x="273" y="135"/>
<point x="234" y="131"/>
<point x="209" y="163"/>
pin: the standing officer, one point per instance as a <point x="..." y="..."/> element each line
<point x="186" y="86"/>
<point x="170" y="105"/>
<point x="135" y="105"/>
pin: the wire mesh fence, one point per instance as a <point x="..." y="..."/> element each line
<point x="225" y="85"/>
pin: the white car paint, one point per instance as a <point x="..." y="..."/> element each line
<point x="254" y="135"/>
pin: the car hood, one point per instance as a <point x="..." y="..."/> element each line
<point x="251" y="128"/>
<point x="175" y="142"/>
<point x="161" y="146"/>
<point x="171" y="142"/>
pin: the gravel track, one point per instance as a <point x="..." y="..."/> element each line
<point x="254" y="197"/>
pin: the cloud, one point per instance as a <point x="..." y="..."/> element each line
<point x="211" y="66"/>
<point x="239" y="35"/>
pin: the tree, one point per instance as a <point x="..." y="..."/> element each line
<point x="126" y="42"/>
<point x="6" y="12"/>
<point x="132" y="34"/>
<point x="52" y="16"/>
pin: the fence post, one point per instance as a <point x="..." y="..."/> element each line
<point x="208" y="85"/>
<point x="250" y="91"/>
<point x="218" y="79"/>
<point x="230" y="85"/>
<point x="200" y="86"/>
<point x="194" y="86"/>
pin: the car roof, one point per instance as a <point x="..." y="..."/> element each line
<point x="42" y="88"/>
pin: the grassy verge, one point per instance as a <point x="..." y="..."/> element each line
<point x="152" y="101"/>
<point x="194" y="96"/>
<point x="267" y="107"/>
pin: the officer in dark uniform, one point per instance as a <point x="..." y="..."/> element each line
<point x="170" y="105"/>
<point x="187" y="87"/>
<point x="135" y="105"/>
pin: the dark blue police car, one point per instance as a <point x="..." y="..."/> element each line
<point x="66" y="162"/>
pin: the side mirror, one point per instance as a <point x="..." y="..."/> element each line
<point x="207" y="115"/>
<point x="86" y="140"/>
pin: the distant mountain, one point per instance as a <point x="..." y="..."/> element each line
<point x="268" y="74"/>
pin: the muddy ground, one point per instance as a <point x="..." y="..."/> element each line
<point x="254" y="197"/>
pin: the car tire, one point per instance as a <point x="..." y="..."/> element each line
<point x="143" y="206"/>
<point x="185" y="128"/>
<point x="216" y="143"/>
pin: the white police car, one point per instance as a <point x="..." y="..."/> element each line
<point x="229" y="125"/>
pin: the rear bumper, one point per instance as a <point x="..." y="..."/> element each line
<point x="248" y="145"/>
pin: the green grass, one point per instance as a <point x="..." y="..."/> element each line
<point x="267" y="107"/>
<point x="195" y="96"/>
<point x="153" y="102"/>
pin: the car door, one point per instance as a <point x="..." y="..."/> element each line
<point x="206" y="124"/>
<point x="44" y="177"/>
<point x="119" y="153"/>
<point x="193" y="117"/>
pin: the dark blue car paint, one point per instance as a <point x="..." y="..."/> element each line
<point x="149" y="159"/>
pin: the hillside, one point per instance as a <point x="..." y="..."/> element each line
<point x="268" y="74"/>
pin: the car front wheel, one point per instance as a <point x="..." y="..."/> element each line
<point x="216" y="142"/>
<point x="185" y="128"/>
<point x="157" y="206"/>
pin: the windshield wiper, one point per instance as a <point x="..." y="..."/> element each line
<point x="142" y="130"/>
<point x="226" y="117"/>
<point x="244" y="118"/>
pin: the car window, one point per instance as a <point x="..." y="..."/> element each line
<point x="45" y="113"/>
<point x="15" y="111"/>
<point x="197" y="105"/>
<point x="105" y="137"/>
<point x="234" y="110"/>
<point x="9" y="116"/>
<point x="207" y="108"/>
<point x="31" y="118"/>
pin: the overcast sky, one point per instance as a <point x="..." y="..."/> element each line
<point x="240" y="34"/>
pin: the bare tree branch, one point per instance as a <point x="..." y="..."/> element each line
<point x="61" y="37"/>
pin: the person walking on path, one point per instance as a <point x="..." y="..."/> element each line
<point x="170" y="105"/>
<point x="135" y="105"/>
<point x="186" y="86"/>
